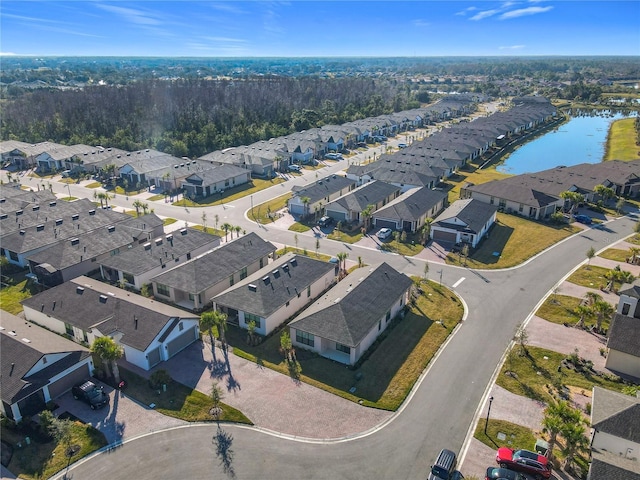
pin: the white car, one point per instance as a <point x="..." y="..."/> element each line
<point x="294" y="168"/>
<point x="384" y="233"/>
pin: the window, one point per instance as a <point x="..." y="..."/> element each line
<point x="388" y="316"/>
<point x="248" y="317"/>
<point x="44" y="360"/>
<point x="304" y="338"/>
<point x="503" y="203"/>
<point x="243" y="273"/>
<point x="287" y="304"/>
<point x="379" y="325"/>
<point x="492" y="201"/>
<point x="13" y="255"/>
<point x="68" y="328"/>
<point x="127" y="277"/>
<point x="188" y="256"/>
<point x="343" y="348"/>
<point x="521" y="208"/>
<point x="192" y="297"/>
<point x="180" y="326"/>
<point x="115" y="252"/>
<point x="625" y="308"/>
<point x="163" y="290"/>
<point x="261" y="262"/>
<point x="308" y="291"/>
<point x="231" y="281"/>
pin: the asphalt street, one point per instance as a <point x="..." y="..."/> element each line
<point x="437" y="414"/>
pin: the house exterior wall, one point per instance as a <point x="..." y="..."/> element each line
<point x="615" y="445"/>
<point x="44" y="320"/>
<point x="631" y="301"/>
<point x="87" y="361"/>
<point x="40" y="364"/>
<point x="623" y="363"/>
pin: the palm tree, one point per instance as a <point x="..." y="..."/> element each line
<point x="216" y="396"/>
<point x="575" y="440"/>
<point x="305" y="201"/>
<point x="634" y="251"/>
<point x="145" y="208"/>
<point x="204" y="221"/>
<point x="556" y="416"/>
<point x="605" y="192"/>
<point x="592" y="298"/>
<point x="574" y="198"/>
<point x="207" y="322"/>
<point x="216" y="218"/>
<point x="583" y="311"/>
<point x="425" y="231"/>
<point x="109" y="352"/>
<point x="238" y="229"/>
<point x="366" y="215"/>
<point x="342" y="259"/>
<point x="602" y="309"/>
<point x="226" y="227"/>
<point x="220" y="321"/>
<point x="137" y="204"/>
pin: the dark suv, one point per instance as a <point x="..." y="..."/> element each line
<point x="91" y="394"/>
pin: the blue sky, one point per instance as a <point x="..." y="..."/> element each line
<point x="327" y="28"/>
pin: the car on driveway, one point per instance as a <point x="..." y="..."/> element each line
<point x="294" y="168"/>
<point x="402" y="145"/>
<point x="325" y="221"/>
<point x="384" y="233"/>
<point x="580" y="218"/>
<point x="497" y="473"/>
<point x="91" y="394"/>
<point x="525" y="461"/>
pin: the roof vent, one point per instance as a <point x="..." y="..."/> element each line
<point x="36" y="208"/>
<point x="253" y="287"/>
<point x="19" y="212"/>
<point x="75" y="216"/>
<point x="294" y="262"/>
<point x="79" y="290"/>
<point x="39" y="228"/>
<point x="3" y="216"/>
<point x="92" y="212"/>
<point x="75" y="241"/>
<point x="22" y="232"/>
<point x="111" y="228"/>
<point x="2" y="200"/>
<point x="276" y="273"/>
<point x="58" y="221"/>
<point x="52" y="204"/>
<point x="158" y="241"/>
<point x="266" y="280"/>
<point x="147" y="246"/>
<point x="103" y="299"/>
<point x="169" y="238"/>
<point x="183" y="231"/>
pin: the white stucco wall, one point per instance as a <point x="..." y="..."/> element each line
<point x="615" y="445"/>
<point x="623" y="363"/>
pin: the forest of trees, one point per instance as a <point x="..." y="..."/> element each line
<point x="191" y="117"/>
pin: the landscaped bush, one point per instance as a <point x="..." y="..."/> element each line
<point x="159" y="378"/>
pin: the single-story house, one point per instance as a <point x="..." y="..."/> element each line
<point x="348" y="208"/>
<point x="63" y="157"/>
<point x="23" y="155"/>
<point x="410" y="210"/>
<point x="318" y="194"/>
<point x="275" y="293"/>
<point x="139" y="265"/>
<point x="623" y="345"/>
<point x="193" y="284"/>
<point x="615" y="436"/>
<point x="37" y="366"/>
<point x="215" y="179"/>
<point x="85" y="309"/>
<point x="346" y="320"/>
<point x="464" y="221"/>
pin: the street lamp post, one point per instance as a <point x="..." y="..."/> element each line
<point x="440" y="272"/>
<point x="488" y="412"/>
<point x="69" y="190"/>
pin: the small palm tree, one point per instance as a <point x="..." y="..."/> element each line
<point x="226" y="227"/>
<point x="592" y="298"/>
<point x="217" y="395"/>
<point x="137" y="204"/>
<point x="109" y="351"/>
<point x="220" y="321"/>
<point x="583" y="312"/>
<point x="207" y="322"/>
<point x="366" y="215"/>
<point x="575" y="440"/>
<point x="634" y="252"/>
<point x="602" y="309"/>
<point x="305" y="201"/>
<point x="237" y="229"/>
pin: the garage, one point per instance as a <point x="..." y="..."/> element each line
<point x="182" y="341"/>
<point x="64" y="384"/>
<point x="385" y="224"/>
<point x="153" y="357"/>
<point x="296" y="209"/>
<point x="337" y="216"/>
<point x="444" y="236"/>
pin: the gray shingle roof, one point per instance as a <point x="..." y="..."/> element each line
<point x="631" y="289"/>
<point x="323" y="188"/>
<point x="616" y="414"/>
<point x="164" y="249"/>
<point x="413" y="205"/>
<point x="213" y="267"/>
<point x="609" y="466"/>
<point x="295" y="274"/>
<point x="18" y="356"/>
<point x="361" y="197"/>
<point x="624" y="335"/>
<point x="86" y="303"/>
<point x="473" y="213"/>
<point x="348" y="312"/>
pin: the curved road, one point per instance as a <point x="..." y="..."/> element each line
<point x="438" y="414"/>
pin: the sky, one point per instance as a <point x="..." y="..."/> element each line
<point x="300" y="28"/>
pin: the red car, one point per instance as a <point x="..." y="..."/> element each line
<point x="524" y="461"/>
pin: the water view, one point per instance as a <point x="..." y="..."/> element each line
<point x="581" y="140"/>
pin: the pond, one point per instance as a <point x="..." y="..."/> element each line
<point x="581" y="140"/>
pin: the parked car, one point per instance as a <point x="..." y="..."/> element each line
<point x="325" y="221"/>
<point x="497" y="473"/>
<point x="586" y="219"/>
<point x="444" y="466"/>
<point x="384" y="233"/>
<point x="525" y="461"/>
<point x="91" y="394"/>
<point x="66" y="174"/>
<point x="362" y="145"/>
<point x="402" y="145"/>
<point x="294" y="168"/>
<point x="333" y="156"/>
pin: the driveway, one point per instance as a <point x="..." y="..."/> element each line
<point x="122" y="419"/>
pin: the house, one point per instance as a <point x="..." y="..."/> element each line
<point x="623" y="356"/>
<point x="615" y="436"/>
<point x="215" y="179"/>
<point x="193" y="284"/>
<point x="318" y="194"/>
<point x="349" y="207"/>
<point x="465" y="221"/>
<point x="37" y="366"/>
<point x="137" y="266"/>
<point x="275" y="293"/>
<point x="410" y="210"/>
<point x="85" y="309"/>
<point x="23" y="155"/>
<point x="63" y="157"/>
<point x="346" y="320"/>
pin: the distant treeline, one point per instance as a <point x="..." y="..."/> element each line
<point x="191" y="117"/>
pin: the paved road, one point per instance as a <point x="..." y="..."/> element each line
<point x="438" y="415"/>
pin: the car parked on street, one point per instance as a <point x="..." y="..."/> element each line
<point x="497" y="473"/>
<point x="384" y="233"/>
<point x="91" y="394"/>
<point x="525" y="461"/>
<point x="580" y="218"/>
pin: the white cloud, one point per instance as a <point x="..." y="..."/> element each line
<point x="484" y="14"/>
<point x="421" y="23"/>
<point x="522" y="12"/>
<point x="132" y="15"/>
<point x="465" y="11"/>
<point x="512" y="47"/>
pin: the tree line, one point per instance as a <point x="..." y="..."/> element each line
<point x="191" y="117"/>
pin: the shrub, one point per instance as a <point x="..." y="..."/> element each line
<point x="159" y="378"/>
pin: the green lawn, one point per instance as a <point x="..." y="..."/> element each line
<point x="261" y="213"/>
<point x="476" y="177"/>
<point x="589" y="276"/>
<point x="299" y="227"/>
<point x="621" y="141"/>
<point x="212" y="231"/>
<point x="154" y="198"/>
<point x="18" y="289"/>
<point x="635" y="239"/>
<point x="515" y="239"/>
<point x="559" y="309"/>
<point x="169" y="221"/>
<point x="517" y="436"/>
<point x="345" y="237"/>
<point x="255" y="185"/>
<point x="178" y="401"/>
<point x="69" y="199"/>
<point x="535" y="374"/>
<point x="616" y="254"/>
<point x="93" y="185"/>
<point x="306" y="253"/>
<point x="389" y="373"/>
<point x="43" y="457"/>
